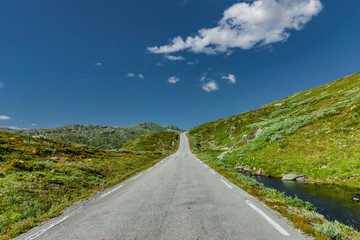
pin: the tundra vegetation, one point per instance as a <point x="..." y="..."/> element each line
<point x="40" y="178"/>
<point x="315" y="133"/>
<point x="98" y="136"/>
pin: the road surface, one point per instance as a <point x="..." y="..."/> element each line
<point x="179" y="198"/>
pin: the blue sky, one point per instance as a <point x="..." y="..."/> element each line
<point x="120" y="62"/>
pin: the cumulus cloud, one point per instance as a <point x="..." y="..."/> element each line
<point x="141" y="76"/>
<point x="210" y="86"/>
<point x="246" y="25"/>
<point x="3" y="117"/>
<point x="174" y="58"/>
<point x="130" y="74"/>
<point x="173" y="79"/>
<point x="231" y="78"/>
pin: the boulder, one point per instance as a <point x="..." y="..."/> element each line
<point x="239" y="168"/>
<point x="356" y="199"/>
<point x="260" y="172"/>
<point x="291" y="177"/>
<point x="301" y="180"/>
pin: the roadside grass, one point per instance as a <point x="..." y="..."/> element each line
<point x="39" y="179"/>
<point x="302" y="214"/>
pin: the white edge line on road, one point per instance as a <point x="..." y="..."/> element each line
<point x="46" y="229"/>
<point x="227" y="184"/>
<point x="113" y="190"/>
<point x="212" y="171"/>
<point x="267" y="218"/>
<point x="136" y="177"/>
<point x="149" y="169"/>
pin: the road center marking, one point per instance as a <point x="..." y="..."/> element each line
<point x="226" y="183"/>
<point x="267" y="218"/>
<point x="46" y="229"/>
<point x="212" y="171"/>
<point x="113" y="190"/>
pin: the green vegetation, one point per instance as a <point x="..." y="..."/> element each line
<point x="302" y="214"/>
<point x="97" y="136"/>
<point x="315" y="132"/>
<point x="163" y="142"/>
<point x="40" y="178"/>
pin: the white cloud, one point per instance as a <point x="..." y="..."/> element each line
<point x="196" y="61"/>
<point x="133" y="75"/>
<point x="231" y="78"/>
<point x="34" y="124"/>
<point x="173" y="79"/>
<point x="2" y="85"/>
<point x="3" y="117"/>
<point x="174" y="58"/>
<point x="248" y="25"/>
<point x="11" y="127"/>
<point x="210" y="86"/>
<point x="98" y="64"/>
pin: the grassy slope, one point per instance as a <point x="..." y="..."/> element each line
<point x="98" y="136"/>
<point x="39" y="179"/>
<point x="315" y="132"/>
<point x="157" y="142"/>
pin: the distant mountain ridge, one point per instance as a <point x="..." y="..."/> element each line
<point x="98" y="136"/>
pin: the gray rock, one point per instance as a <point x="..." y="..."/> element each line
<point x="260" y="172"/>
<point x="55" y="158"/>
<point x="355" y="199"/>
<point x="301" y="180"/>
<point x="291" y="177"/>
<point x="239" y="168"/>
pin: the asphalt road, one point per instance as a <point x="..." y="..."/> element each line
<point x="179" y="198"/>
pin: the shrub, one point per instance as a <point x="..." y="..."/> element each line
<point x="331" y="230"/>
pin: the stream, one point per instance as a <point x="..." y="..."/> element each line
<point x="331" y="201"/>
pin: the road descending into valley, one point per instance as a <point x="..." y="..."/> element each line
<point x="179" y="198"/>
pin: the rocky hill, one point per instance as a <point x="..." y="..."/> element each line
<point x="98" y="136"/>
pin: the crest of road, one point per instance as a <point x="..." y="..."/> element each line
<point x="179" y="198"/>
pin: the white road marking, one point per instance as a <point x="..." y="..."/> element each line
<point x="212" y="171"/>
<point x="149" y="169"/>
<point x="136" y="177"/>
<point x="205" y="165"/>
<point x="226" y="183"/>
<point x="46" y="229"/>
<point x="267" y="218"/>
<point x="113" y="190"/>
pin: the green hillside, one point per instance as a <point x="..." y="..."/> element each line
<point x="98" y="136"/>
<point x="156" y="142"/>
<point x="40" y="178"/>
<point x="315" y="132"/>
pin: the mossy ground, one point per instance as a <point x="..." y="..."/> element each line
<point x="39" y="179"/>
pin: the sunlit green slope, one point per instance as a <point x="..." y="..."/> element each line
<point x="315" y="132"/>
